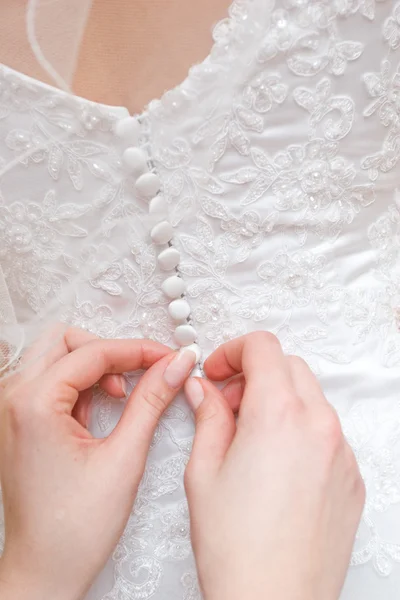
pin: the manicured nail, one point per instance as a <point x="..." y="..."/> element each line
<point x="123" y="384"/>
<point x="179" y="368"/>
<point x="194" y="393"/>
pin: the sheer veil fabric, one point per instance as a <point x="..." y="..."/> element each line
<point x="276" y="163"/>
<point x="42" y="39"/>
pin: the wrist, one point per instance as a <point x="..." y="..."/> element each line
<point x="18" y="583"/>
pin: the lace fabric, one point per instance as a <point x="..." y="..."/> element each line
<point x="285" y="218"/>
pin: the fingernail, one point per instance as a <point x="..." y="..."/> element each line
<point x="179" y="368"/>
<point x="123" y="384"/>
<point x="194" y="393"/>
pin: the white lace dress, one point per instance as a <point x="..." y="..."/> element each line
<point x="275" y="166"/>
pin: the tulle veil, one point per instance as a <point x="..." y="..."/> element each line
<point x="41" y="39"/>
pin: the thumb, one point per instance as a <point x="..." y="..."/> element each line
<point x="215" y="429"/>
<point x="157" y="388"/>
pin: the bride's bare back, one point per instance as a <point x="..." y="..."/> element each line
<point x="135" y="50"/>
<point x="131" y="50"/>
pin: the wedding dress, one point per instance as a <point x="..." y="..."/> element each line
<point x="258" y="194"/>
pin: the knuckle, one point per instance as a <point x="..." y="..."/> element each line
<point x="15" y="412"/>
<point x="6" y="402"/>
<point x="189" y="476"/>
<point x="296" y="362"/>
<point x="155" y="402"/>
<point x="287" y="412"/>
<point x="289" y="405"/>
<point x="71" y="329"/>
<point x="358" y="485"/>
<point x="56" y="328"/>
<point x="99" y="349"/>
<point x="330" y="430"/>
<point x="78" y="336"/>
<point x="207" y="411"/>
<point x="360" y="490"/>
<point x="194" y="479"/>
<point x="265" y="337"/>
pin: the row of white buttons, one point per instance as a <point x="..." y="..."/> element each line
<point x="148" y="186"/>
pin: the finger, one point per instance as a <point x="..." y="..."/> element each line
<point x="56" y="343"/>
<point x="84" y="367"/>
<point x="52" y="345"/>
<point x="82" y="409"/>
<point x="305" y="382"/>
<point x="46" y="350"/>
<point x="155" y="391"/>
<point x="233" y="392"/>
<point x="259" y="356"/>
<point x="215" y="429"/>
<point x="114" y="385"/>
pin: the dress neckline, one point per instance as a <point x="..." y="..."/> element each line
<point x="230" y="35"/>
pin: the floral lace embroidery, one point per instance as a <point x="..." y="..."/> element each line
<point x="306" y="198"/>
<point x="292" y="280"/>
<point x="322" y="190"/>
<point x="391" y="28"/>
<point x="191" y="586"/>
<point x="384" y="88"/>
<point x="315" y="179"/>
<point x="34" y="239"/>
<point x="321" y="105"/>
<point x="363" y="427"/>
<point x="377" y="311"/>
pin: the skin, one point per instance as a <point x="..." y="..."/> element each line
<point x="132" y="51"/>
<point x="257" y="508"/>
<point x="60" y="485"/>
<point x="276" y="498"/>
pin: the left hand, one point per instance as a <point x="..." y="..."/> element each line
<point x="67" y="496"/>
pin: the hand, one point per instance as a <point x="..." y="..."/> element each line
<point x="275" y="501"/>
<point x="67" y="496"/>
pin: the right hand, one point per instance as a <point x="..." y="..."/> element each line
<point x="275" y="500"/>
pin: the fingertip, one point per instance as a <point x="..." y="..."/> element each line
<point x="114" y="385"/>
<point x="153" y="351"/>
<point x="194" y="392"/>
<point x="179" y="368"/>
<point x="153" y="394"/>
<point x="233" y="392"/>
<point x="203" y="397"/>
<point x="216" y="367"/>
<point x="215" y="429"/>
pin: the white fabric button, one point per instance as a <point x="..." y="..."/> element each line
<point x="173" y="287"/>
<point x="169" y="258"/>
<point x="196" y="349"/>
<point x="196" y="371"/>
<point x="162" y="233"/>
<point x="158" y="206"/>
<point x="148" y="185"/>
<point x="136" y="161"/>
<point x="185" y="335"/>
<point x="128" y="128"/>
<point x="179" y="310"/>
